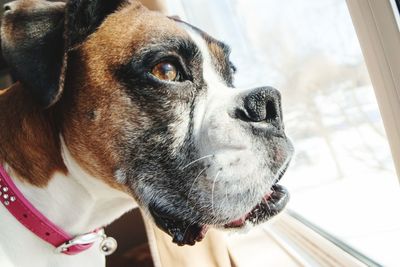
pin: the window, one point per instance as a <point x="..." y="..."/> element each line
<point x="343" y="179"/>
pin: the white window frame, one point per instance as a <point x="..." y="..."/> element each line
<point x="312" y="246"/>
<point x="378" y="32"/>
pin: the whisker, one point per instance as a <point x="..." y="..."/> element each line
<point x="187" y="228"/>
<point x="226" y="195"/>
<point x="194" y="182"/>
<point x="266" y="202"/>
<point x="194" y="161"/>
<point x="212" y="192"/>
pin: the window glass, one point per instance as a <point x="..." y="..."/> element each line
<point x="342" y="178"/>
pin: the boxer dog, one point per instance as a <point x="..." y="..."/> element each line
<point x="117" y="105"/>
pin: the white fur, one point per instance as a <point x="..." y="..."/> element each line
<point x="78" y="203"/>
<point x="215" y="130"/>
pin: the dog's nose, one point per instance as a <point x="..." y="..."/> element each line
<point x="8" y="7"/>
<point x="262" y="105"/>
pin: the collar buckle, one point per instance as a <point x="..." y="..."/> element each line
<point x="84" y="240"/>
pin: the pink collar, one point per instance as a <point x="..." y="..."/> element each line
<point x="36" y="222"/>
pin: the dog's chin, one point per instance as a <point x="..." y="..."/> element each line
<point x="185" y="232"/>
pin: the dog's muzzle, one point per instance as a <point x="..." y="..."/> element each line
<point x="259" y="111"/>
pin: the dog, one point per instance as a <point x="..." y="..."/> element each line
<point x="117" y="105"/>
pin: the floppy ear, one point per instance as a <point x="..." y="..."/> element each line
<point x="85" y="16"/>
<point x="37" y="35"/>
<point x="33" y="46"/>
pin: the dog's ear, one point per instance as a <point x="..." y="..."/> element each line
<point x="33" y="46"/>
<point x="37" y="34"/>
<point x="85" y="16"/>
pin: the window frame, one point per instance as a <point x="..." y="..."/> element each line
<point x="376" y="26"/>
<point x="312" y="246"/>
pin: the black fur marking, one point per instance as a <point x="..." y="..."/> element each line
<point x="36" y="59"/>
<point x="85" y="16"/>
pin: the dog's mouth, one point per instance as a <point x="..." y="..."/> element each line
<point x="270" y="205"/>
<point x="187" y="233"/>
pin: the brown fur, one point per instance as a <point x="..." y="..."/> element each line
<point x="218" y="55"/>
<point x="95" y="105"/>
<point x="28" y="138"/>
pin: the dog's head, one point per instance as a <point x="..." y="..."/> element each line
<point x="147" y="103"/>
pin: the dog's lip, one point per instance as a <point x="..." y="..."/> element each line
<point x="186" y="233"/>
<point x="182" y="232"/>
<point x="270" y="205"/>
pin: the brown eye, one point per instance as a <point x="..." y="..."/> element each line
<point x="165" y="71"/>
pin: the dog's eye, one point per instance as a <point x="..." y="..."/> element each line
<point x="165" y="71"/>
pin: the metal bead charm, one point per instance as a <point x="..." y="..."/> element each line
<point x="108" y="246"/>
<point x="5" y="189"/>
<point x="6" y="203"/>
<point x="5" y="196"/>
<point x="12" y="198"/>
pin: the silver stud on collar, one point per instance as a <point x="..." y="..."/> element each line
<point x="108" y="246"/>
<point x="6" y="203"/>
<point x="5" y="189"/>
<point x="12" y="198"/>
<point x="5" y="196"/>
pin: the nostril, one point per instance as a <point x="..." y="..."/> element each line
<point x="262" y="106"/>
<point x="7" y="7"/>
<point x="271" y="112"/>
